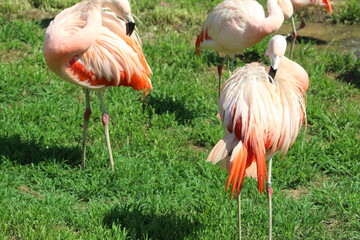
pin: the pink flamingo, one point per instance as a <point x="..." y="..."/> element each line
<point x="261" y="113"/>
<point x="301" y="4"/>
<point x="91" y="47"/>
<point x="235" y="25"/>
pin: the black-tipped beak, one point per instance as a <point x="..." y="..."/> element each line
<point x="130" y="26"/>
<point x="272" y="73"/>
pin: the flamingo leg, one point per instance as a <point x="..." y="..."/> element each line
<point x="232" y="64"/>
<point x="294" y="37"/>
<point x="239" y="215"/>
<point x="269" y="193"/>
<point x="87" y="114"/>
<point x="105" y="120"/>
<point x="220" y="68"/>
<point x="294" y="34"/>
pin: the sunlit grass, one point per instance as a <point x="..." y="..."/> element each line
<point x="162" y="187"/>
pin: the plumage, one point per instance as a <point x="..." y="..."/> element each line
<point x="259" y="117"/>
<point x="300" y="4"/>
<point x="235" y="25"/>
<point x="93" y="44"/>
<point x="111" y="59"/>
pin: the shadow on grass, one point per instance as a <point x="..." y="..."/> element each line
<point x="212" y="58"/>
<point x="166" y="104"/>
<point x="249" y="56"/>
<point x="141" y="224"/>
<point x="31" y="152"/>
<point x="246" y="56"/>
<point x="352" y="77"/>
<point x="44" y="23"/>
<point x="305" y="40"/>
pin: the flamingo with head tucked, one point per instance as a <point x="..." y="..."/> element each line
<point x="93" y="48"/>
<point x="262" y="111"/>
<point x="301" y="4"/>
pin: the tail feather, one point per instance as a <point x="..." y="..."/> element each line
<point x="241" y="160"/>
<point x="257" y="154"/>
<point x="251" y="171"/>
<point x="221" y="150"/>
<point x="237" y="170"/>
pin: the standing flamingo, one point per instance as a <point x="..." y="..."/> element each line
<point x="91" y="47"/>
<point x="261" y="113"/>
<point x="300" y="4"/>
<point x="235" y="25"/>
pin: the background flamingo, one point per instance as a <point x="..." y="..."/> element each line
<point x="300" y="4"/>
<point x="261" y="115"/>
<point x="235" y="25"/>
<point x="92" y="48"/>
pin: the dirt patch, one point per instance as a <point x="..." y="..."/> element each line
<point x="296" y="193"/>
<point x="12" y="55"/>
<point x="319" y="181"/>
<point x="26" y="190"/>
<point x="34" y="14"/>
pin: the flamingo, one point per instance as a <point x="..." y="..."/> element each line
<point x="235" y="25"/>
<point x="92" y="48"/>
<point x="262" y="113"/>
<point x="301" y="4"/>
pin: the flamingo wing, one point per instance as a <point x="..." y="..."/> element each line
<point x="232" y="26"/>
<point x="114" y="59"/>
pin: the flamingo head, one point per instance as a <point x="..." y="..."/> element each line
<point x="276" y="49"/>
<point x="123" y="10"/>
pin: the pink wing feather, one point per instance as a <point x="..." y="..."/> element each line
<point x="112" y="59"/>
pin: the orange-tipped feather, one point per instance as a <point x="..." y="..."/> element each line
<point x="260" y="117"/>
<point x="327" y="6"/>
<point x="237" y="169"/>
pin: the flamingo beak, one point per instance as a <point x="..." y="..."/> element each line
<point x="327" y="5"/>
<point x="130" y="24"/>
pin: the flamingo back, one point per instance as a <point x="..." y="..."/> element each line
<point x="232" y="26"/>
<point x="260" y="117"/>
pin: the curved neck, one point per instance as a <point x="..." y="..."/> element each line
<point x="60" y="48"/>
<point x="286" y="7"/>
<point x="84" y="38"/>
<point x="275" y="19"/>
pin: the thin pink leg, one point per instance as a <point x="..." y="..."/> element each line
<point x="105" y="121"/>
<point x="220" y="69"/>
<point x="87" y="114"/>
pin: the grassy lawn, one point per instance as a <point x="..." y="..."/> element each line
<point x="162" y="187"/>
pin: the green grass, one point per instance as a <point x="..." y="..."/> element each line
<point x="162" y="187"/>
<point x="347" y="12"/>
